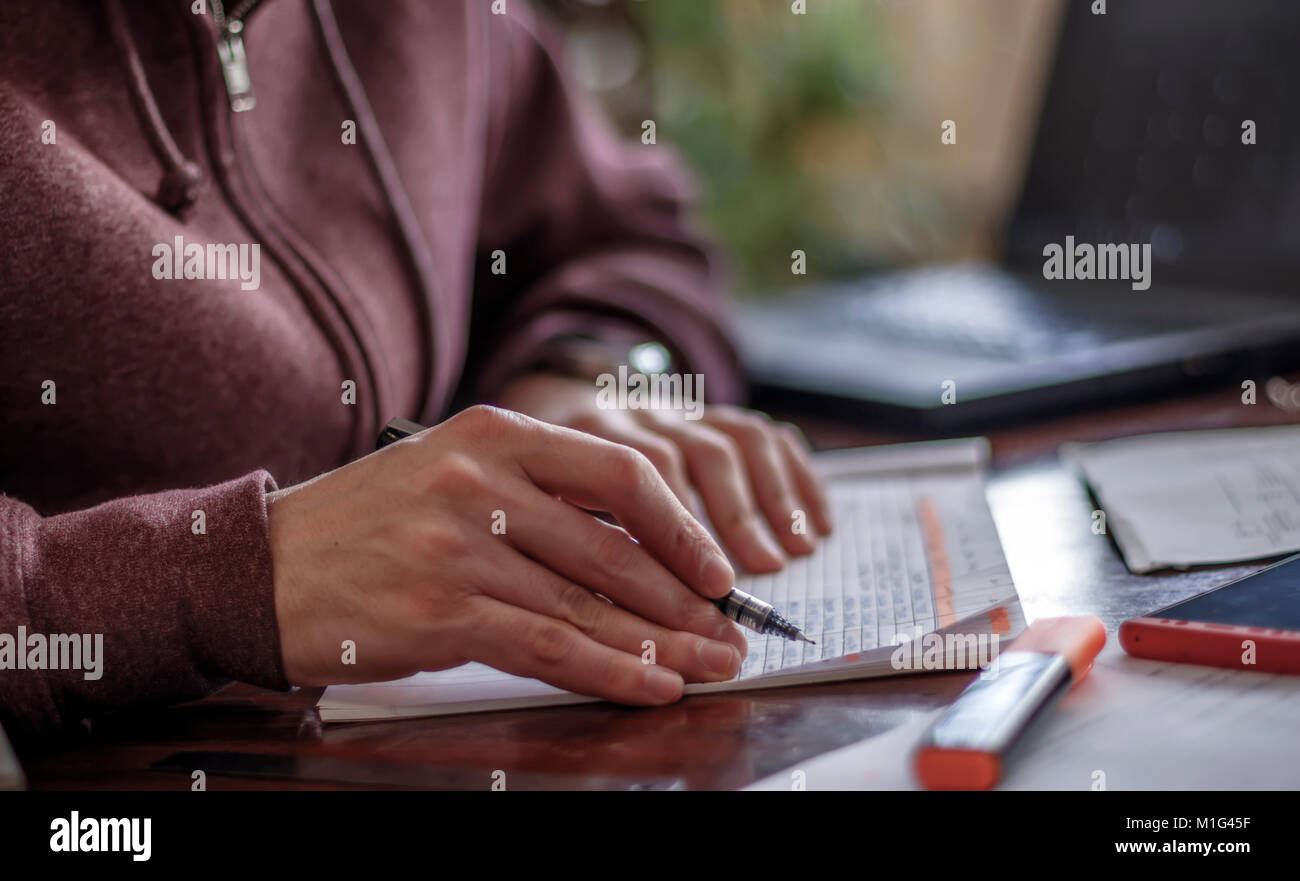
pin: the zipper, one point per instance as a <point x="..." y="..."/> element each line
<point x="292" y="261"/>
<point x="230" y="47"/>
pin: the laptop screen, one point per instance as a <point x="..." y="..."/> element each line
<point x="1173" y="122"/>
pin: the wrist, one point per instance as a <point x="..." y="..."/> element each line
<point x="589" y="358"/>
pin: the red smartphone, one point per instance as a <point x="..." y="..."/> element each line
<point x="1252" y="623"/>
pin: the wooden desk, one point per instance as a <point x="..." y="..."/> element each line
<point x="714" y="741"/>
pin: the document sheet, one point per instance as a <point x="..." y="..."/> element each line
<point x="1188" y="498"/>
<point x="1132" y="724"/>
<point x="914" y="551"/>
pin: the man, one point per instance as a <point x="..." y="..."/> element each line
<point x="439" y="219"/>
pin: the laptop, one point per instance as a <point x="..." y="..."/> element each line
<point x="1150" y="248"/>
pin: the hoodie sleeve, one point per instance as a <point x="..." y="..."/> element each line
<point x="594" y="230"/>
<point x="163" y="610"/>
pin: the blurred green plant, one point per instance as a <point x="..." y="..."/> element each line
<point x="799" y="128"/>
<point x="768" y="108"/>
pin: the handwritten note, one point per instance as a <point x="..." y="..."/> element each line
<point x="1188" y="498"/>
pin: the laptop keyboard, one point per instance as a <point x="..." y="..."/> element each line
<point x="980" y="310"/>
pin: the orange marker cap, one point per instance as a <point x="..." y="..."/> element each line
<point x="1079" y="639"/>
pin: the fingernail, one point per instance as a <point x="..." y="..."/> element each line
<point x="718" y="575"/>
<point x="718" y="657"/>
<point x="727" y="629"/>
<point x="769" y="546"/>
<point x="663" y="685"/>
<point x="827" y="525"/>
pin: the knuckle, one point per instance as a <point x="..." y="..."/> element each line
<point x="454" y="475"/>
<point x="693" y="546"/>
<point x="453" y="543"/>
<point x="773" y="491"/>
<point x="773" y="495"/>
<point x="790" y="433"/>
<point x="489" y="421"/>
<point x="744" y="419"/>
<point x="741" y="519"/>
<point x="753" y="426"/>
<point x="781" y="428"/>
<point x="440" y="541"/>
<point x="475" y="415"/>
<point x="728" y="412"/>
<point x="581" y="609"/>
<point x="664" y="455"/>
<point x="615" y="553"/>
<point x="629" y="469"/>
<point x="429" y="611"/>
<point x="551" y="643"/>
<point x="760" y="441"/>
<point x="716" y="451"/>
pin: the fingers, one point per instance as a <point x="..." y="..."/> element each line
<point x="525" y="643"/>
<point x="517" y="580"/>
<point x="601" y="475"/>
<point x="662" y="453"/>
<point x="807" y="481"/>
<point x="769" y="474"/>
<point x="605" y="559"/>
<point x="717" y="468"/>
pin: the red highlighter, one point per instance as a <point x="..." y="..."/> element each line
<point x="966" y="747"/>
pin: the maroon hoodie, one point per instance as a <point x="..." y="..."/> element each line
<point x="394" y="146"/>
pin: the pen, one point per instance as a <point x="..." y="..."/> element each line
<point x="746" y="610"/>
<point x="968" y="745"/>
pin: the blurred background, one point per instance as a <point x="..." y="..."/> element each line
<point x="821" y="131"/>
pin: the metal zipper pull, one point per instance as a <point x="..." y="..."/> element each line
<point x="234" y="66"/>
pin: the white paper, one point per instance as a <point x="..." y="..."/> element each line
<point x="913" y="552"/>
<point x="1189" y="498"/>
<point x="1132" y="724"/>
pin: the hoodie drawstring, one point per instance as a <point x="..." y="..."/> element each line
<point x="381" y="162"/>
<point x="182" y="180"/>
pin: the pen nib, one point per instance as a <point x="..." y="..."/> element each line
<point x="803" y="638"/>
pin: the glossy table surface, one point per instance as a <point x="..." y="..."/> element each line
<point x="1060" y="567"/>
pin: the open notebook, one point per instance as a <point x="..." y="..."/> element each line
<point x="914" y="551"/>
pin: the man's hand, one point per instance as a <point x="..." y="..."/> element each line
<point x="752" y="474"/>
<point x="397" y="552"/>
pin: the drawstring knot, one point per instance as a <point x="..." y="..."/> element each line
<point x="182" y="180"/>
<point x="180" y="187"/>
